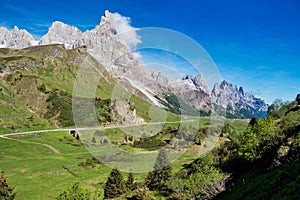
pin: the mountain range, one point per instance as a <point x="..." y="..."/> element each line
<point x="189" y="95"/>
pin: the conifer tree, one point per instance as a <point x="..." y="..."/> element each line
<point x="6" y="190"/>
<point x="130" y="184"/>
<point x="114" y="186"/>
<point x="157" y="180"/>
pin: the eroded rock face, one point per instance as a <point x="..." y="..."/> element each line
<point x="123" y="114"/>
<point x="16" y="38"/>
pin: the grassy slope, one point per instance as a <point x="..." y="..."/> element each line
<point x="39" y="172"/>
<point x="282" y="183"/>
<point x="24" y="105"/>
<point x="14" y="115"/>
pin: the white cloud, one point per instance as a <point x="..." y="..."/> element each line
<point x="127" y="34"/>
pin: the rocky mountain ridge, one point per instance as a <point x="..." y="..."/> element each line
<point x="104" y="43"/>
<point x="16" y="38"/>
<point x="233" y="98"/>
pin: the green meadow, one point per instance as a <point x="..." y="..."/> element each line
<point x="41" y="166"/>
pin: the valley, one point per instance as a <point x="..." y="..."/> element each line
<point x="81" y="117"/>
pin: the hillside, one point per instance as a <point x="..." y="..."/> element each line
<point x="270" y="157"/>
<point x="36" y="89"/>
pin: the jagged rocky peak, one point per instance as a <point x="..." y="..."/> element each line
<point x="198" y="82"/>
<point x="224" y="84"/>
<point x="58" y="27"/>
<point x="99" y="38"/>
<point x="105" y="18"/>
<point x="107" y="14"/>
<point x="105" y="24"/>
<point x="60" y="33"/>
<point x="226" y="95"/>
<point x="16" y="38"/>
<point x="70" y="36"/>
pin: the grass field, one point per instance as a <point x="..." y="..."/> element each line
<point x="42" y="165"/>
<point x="42" y="171"/>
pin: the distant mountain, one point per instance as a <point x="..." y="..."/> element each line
<point x="235" y="100"/>
<point x="103" y="43"/>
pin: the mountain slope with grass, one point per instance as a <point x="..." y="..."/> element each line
<point x="36" y="89"/>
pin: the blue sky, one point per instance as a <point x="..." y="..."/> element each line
<point x="255" y="44"/>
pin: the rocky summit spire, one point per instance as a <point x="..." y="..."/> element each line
<point x="107" y="14"/>
<point x="105" y="23"/>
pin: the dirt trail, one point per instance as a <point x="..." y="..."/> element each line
<point x="54" y="150"/>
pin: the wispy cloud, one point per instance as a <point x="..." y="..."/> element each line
<point x="18" y="9"/>
<point x="42" y="25"/>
